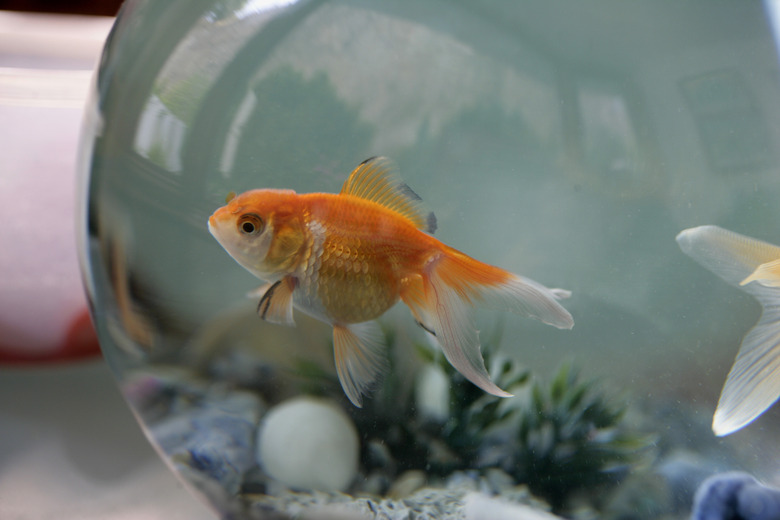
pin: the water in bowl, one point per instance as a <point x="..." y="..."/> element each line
<point x="564" y="142"/>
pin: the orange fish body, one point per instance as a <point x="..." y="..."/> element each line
<point x="347" y="258"/>
<point x="368" y="255"/>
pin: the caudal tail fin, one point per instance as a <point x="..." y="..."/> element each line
<point x="443" y="297"/>
<point x="753" y="383"/>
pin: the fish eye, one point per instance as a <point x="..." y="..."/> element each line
<point x="250" y="224"/>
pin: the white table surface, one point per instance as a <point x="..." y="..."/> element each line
<point x="70" y="449"/>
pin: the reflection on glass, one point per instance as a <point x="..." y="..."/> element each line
<point x="160" y="135"/>
<point x="609" y="140"/>
<point x="732" y="129"/>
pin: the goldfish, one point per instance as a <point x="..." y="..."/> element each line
<point x="347" y="258"/>
<point x="753" y="383"/>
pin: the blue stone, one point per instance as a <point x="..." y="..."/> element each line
<point x="735" y="496"/>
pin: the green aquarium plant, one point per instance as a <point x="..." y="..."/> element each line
<point x="560" y="438"/>
<point x="564" y="436"/>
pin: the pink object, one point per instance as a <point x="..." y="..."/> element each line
<point x="43" y="309"/>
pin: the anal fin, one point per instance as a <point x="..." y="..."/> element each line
<point x="358" y="350"/>
<point x="276" y="302"/>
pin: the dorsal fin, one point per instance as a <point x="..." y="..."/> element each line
<point x="377" y="179"/>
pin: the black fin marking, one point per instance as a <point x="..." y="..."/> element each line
<point x="409" y="192"/>
<point x="425" y="328"/>
<point x="432" y="225"/>
<point x="265" y="300"/>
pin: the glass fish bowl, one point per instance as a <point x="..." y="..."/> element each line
<point x="567" y="143"/>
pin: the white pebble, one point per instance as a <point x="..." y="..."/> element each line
<point x="432" y="393"/>
<point x="310" y="444"/>
<point x="478" y="506"/>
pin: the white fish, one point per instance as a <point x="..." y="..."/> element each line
<point x="753" y="384"/>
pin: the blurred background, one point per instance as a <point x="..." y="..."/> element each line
<point x="69" y="447"/>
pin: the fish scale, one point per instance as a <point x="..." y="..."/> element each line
<point x="354" y="282"/>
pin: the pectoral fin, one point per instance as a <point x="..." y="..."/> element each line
<point x="276" y="302"/>
<point x="359" y="353"/>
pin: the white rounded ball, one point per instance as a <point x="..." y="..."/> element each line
<point x="432" y="394"/>
<point x="309" y="443"/>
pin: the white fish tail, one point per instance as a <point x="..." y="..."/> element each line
<point x="442" y="301"/>
<point x="753" y="383"/>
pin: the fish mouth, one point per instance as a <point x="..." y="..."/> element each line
<point x="212" y="225"/>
